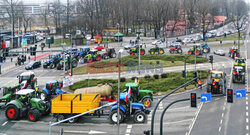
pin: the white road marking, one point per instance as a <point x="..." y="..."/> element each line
<point x="247" y="127"/>
<point x="5" y="123"/>
<point x="246" y="107"/>
<point x="128" y="130"/>
<point x="219" y="128"/>
<point x="247" y="114"/>
<point x="246" y="102"/>
<point x="221" y="121"/>
<point x="224" y="108"/>
<point x="247" y="120"/>
<point x="246" y="98"/>
<point x="192" y="125"/>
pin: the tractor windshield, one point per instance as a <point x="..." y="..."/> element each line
<point x="216" y="76"/>
<point x="25" y="77"/>
<point x="240" y="61"/>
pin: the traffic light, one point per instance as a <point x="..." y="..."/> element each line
<point x="211" y="58"/>
<point x="195" y="75"/>
<point x="183" y="73"/>
<point x="230" y="95"/>
<point x="193" y="100"/>
<point x="32" y="51"/>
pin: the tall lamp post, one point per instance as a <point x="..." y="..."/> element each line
<point x="118" y="39"/>
<point x="118" y="92"/>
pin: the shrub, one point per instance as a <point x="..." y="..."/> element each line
<point x="164" y="75"/>
<point x="156" y="76"/>
<point x="123" y="79"/>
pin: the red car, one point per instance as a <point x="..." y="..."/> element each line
<point x="99" y="48"/>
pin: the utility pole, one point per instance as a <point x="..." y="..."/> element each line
<point x="12" y="21"/>
<point x="67" y="29"/>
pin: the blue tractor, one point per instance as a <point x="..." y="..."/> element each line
<point x="205" y="47"/>
<point x="78" y="54"/>
<point x="128" y="110"/>
<point x="52" y="88"/>
<point x="54" y="59"/>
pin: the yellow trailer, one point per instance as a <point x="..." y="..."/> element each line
<point x="70" y="104"/>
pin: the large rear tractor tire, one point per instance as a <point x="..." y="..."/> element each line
<point x="44" y="96"/>
<point x="113" y="117"/>
<point x="179" y="51"/>
<point x="12" y="112"/>
<point x="113" y="55"/>
<point x="152" y="52"/>
<point x="142" y="52"/>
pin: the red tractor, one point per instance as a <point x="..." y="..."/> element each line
<point x="234" y="52"/>
<point x="176" y="48"/>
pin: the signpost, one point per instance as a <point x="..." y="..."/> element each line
<point x="206" y="97"/>
<point x="240" y="93"/>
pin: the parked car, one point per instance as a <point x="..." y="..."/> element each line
<point x="174" y="44"/>
<point x="33" y="65"/>
<point x="99" y="48"/>
<point x="220" y="52"/>
<point x="187" y="40"/>
<point x="128" y="46"/>
<point x="219" y="34"/>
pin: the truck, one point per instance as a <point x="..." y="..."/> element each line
<point x="217" y="82"/>
<point x="67" y="105"/>
<point x="51" y="89"/>
<point x="26" y="104"/>
<point x="54" y="59"/>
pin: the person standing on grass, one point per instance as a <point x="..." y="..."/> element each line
<point x="221" y="42"/>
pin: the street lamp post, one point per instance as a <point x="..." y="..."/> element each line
<point x="118" y="35"/>
<point x="118" y="92"/>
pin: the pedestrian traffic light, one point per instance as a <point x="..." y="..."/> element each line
<point x="183" y="73"/>
<point x="193" y="100"/>
<point x="211" y="58"/>
<point x="32" y="51"/>
<point x="230" y="95"/>
<point x="195" y="75"/>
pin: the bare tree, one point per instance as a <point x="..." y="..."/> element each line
<point x="238" y="16"/>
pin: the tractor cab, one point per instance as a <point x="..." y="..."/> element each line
<point x="25" y="94"/>
<point x="55" y="55"/>
<point x="26" y="79"/>
<point x="85" y="49"/>
<point x="51" y="89"/>
<point x="239" y="62"/>
<point x="216" y="82"/>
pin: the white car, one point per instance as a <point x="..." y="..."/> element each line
<point x="156" y="42"/>
<point x="128" y="46"/>
<point x="220" y="52"/>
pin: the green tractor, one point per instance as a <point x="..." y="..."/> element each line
<point x="74" y="60"/>
<point x="240" y="62"/>
<point x="26" y="104"/>
<point x="137" y="95"/>
<point x="8" y="94"/>
<point x="157" y="50"/>
<point x="135" y="50"/>
<point x="93" y="55"/>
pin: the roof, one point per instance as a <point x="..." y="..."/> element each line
<point x="27" y="73"/>
<point x="216" y="72"/>
<point x="51" y="82"/>
<point x="118" y="34"/>
<point x="97" y="36"/>
<point x="24" y="91"/>
<point x="132" y="85"/>
<point x="220" y="18"/>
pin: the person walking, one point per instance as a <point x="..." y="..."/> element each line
<point x="220" y="42"/>
<point x="11" y="59"/>
<point x="200" y="84"/>
<point x="29" y="58"/>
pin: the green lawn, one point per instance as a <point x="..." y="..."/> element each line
<point x="131" y="63"/>
<point x="172" y="81"/>
<point x="68" y="42"/>
<point x="229" y="37"/>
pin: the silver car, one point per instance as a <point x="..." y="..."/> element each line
<point x="220" y="52"/>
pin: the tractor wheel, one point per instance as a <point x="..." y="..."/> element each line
<point x="147" y="102"/>
<point x="205" y="50"/>
<point x="52" y="65"/>
<point x="12" y="112"/>
<point x="47" y="108"/>
<point x="60" y="117"/>
<point x="170" y="51"/>
<point x="161" y="51"/>
<point x="132" y="53"/>
<point x="72" y="120"/>
<point x="44" y="96"/>
<point x="189" y="52"/>
<point x="89" y="60"/>
<point x="142" y="52"/>
<point x="197" y="53"/>
<point x="140" y="117"/>
<point x="152" y="52"/>
<point x="98" y="58"/>
<point x="105" y="57"/>
<point x="113" y="55"/>
<point x="179" y="51"/>
<point x="74" y="64"/>
<point x="33" y="115"/>
<point x="208" y="88"/>
<point x="113" y="117"/>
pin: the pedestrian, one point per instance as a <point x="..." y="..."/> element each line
<point x="4" y="59"/>
<point x="234" y="42"/>
<point x="25" y="58"/>
<point x="145" y="45"/>
<point x="221" y="42"/>
<point x="200" y="84"/>
<point x="130" y="42"/>
<point x="11" y="59"/>
<point x="29" y="58"/>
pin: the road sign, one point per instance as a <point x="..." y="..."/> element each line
<point x="24" y="42"/>
<point x="206" y="97"/>
<point x="240" y="93"/>
<point x="67" y="81"/>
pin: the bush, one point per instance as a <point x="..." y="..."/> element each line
<point x="123" y="79"/>
<point x="156" y="76"/>
<point x="147" y="76"/>
<point x="164" y="75"/>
